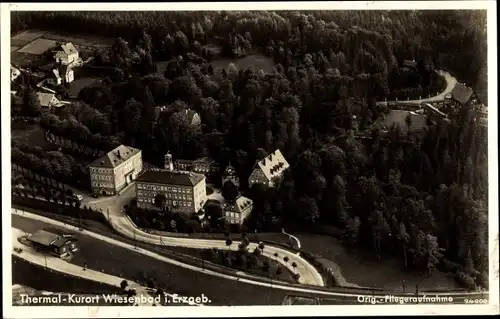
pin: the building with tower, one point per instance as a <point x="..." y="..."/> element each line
<point x="183" y="191"/>
<point x="229" y="174"/>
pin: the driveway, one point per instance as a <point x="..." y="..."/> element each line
<point x="450" y="84"/>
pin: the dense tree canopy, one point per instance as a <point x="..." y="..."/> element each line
<point x="419" y="195"/>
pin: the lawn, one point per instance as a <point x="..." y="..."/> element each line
<point x="23" y="38"/>
<point x="84" y="40"/>
<point x="365" y="271"/>
<point x="38" y="46"/>
<point x="257" y="61"/>
<point x="398" y="117"/>
<point x="286" y="274"/>
<point x="124" y="263"/>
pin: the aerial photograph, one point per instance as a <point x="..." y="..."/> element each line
<point x="249" y="158"/>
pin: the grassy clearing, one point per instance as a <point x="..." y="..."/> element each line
<point x="257" y="61"/>
<point x="38" y="46"/>
<point x="286" y="275"/>
<point x="364" y="271"/>
<point x="398" y="117"/>
<point x="23" y="38"/>
<point x="84" y="40"/>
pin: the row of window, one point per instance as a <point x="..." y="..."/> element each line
<point x="231" y="214"/>
<point x="164" y="188"/>
<point x="103" y="185"/>
<point x="233" y="221"/>
<point x="102" y="177"/>
<point x="101" y="170"/>
<point x="168" y="202"/>
<point x="167" y="195"/>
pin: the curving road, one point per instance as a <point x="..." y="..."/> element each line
<point x="112" y="210"/>
<point x="308" y="273"/>
<point x="342" y="297"/>
<point x="450" y="84"/>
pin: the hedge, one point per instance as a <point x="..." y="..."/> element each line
<point x="83" y="213"/>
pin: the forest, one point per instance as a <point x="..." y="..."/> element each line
<point x="418" y="195"/>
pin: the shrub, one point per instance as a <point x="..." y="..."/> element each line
<point x="448" y="266"/>
<point x="465" y="280"/>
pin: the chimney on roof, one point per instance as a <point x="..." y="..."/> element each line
<point x="118" y="154"/>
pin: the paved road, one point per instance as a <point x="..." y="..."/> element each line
<point x="122" y="260"/>
<point x="450" y="84"/>
<point x="30" y="255"/>
<point x="123" y="225"/>
<point x="348" y="297"/>
<point x="112" y="208"/>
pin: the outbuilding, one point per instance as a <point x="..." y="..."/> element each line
<point x="53" y="242"/>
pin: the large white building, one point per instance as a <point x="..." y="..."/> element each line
<point x="185" y="192"/>
<point x="268" y="170"/>
<point x="115" y="170"/>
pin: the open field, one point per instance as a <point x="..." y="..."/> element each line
<point x="259" y="62"/>
<point x="367" y="272"/>
<point x="80" y="39"/>
<point x="23" y="38"/>
<point x="125" y="263"/>
<point x="286" y="274"/>
<point x="38" y="46"/>
<point x="398" y="117"/>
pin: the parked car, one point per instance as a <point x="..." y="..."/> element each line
<point x="78" y="196"/>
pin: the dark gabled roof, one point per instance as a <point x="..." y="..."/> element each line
<point x="43" y="237"/>
<point x="170" y="177"/>
<point x="461" y="93"/>
<point x="60" y="241"/>
<point x="241" y="204"/>
<point x="409" y="64"/>
<point x="114" y="158"/>
<point x="184" y="161"/>
<point x="204" y="160"/>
